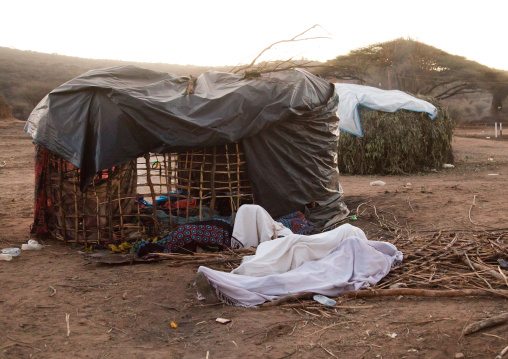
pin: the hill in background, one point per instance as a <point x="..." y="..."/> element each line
<point x="27" y="76"/>
<point x="472" y="92"/>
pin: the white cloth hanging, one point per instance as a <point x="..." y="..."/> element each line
<point x="351" y="96"/>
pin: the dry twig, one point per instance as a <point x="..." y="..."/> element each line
<point x="296" y="38"/>
<point x="503" y="352"/>
<point x="67" y="317"/>
<point x="487" y="323"/>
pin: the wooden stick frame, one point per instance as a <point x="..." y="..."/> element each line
<point x="110" y="210"/>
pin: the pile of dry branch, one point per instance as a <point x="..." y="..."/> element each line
<point x="446" y="260"/>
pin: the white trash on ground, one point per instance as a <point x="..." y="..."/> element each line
<point x="324" y="300"/>
<point x="5" y="257"/>
<point x="32" y="245"/>
<point x="12" y="251"/>
<point x="378" y="183"/>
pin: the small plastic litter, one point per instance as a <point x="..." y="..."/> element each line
<point x="378" y="183"/>
<point x="223" y="320"/>
<point x="398" y="285"/>
<point x="5" y="257"/>
<point x="12" y="251"/>
<point x="353" y="218"/>
<point x="447" y="165"/>
<point x="488" y="138"/>
<point x="32" y="245"/>
<point x="324" y="300"/>
<point x="493" y="174"/>
<point x="174" y="325"/>
<point x="392" y="335"/>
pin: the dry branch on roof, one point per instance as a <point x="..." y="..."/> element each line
<point x="252" y="69"/>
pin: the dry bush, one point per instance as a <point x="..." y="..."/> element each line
<point x="5" y="109"/>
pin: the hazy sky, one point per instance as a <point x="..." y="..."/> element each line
<point x="219" y="32"/>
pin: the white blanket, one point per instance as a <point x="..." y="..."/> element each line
<point x="330" y="265"/>
<point x="254" y="225"/>
<point x="351" y="95"/>
<point x="290" y="252"/>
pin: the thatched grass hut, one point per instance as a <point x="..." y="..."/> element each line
<point x="397" y="143"/>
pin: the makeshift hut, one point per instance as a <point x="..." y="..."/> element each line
<point x="125" y="151"/>
<point x="391" y="132"/>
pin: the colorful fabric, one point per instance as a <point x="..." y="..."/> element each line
<point x="297" y="223"/>
<point x="210" y="235"/>
<point x="214" y="235"/>
<point x="144" y="248"/>
<point x="40" y="224"/>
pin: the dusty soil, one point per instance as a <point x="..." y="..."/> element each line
<point x="126" y="311"/>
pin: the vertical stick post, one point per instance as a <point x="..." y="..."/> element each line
<point x="60" y="199"/>
<point x="167" y="163"/>
<point x="76" y="221"/>
<point x="212" y="181"/>
<point x="110" y="204"/>
<point x="150" y="184"/>
<point x="189" y="187"/>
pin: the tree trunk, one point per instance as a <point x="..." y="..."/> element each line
<point x="497" y="103"/>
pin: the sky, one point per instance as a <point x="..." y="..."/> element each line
<point x="215" y="32"/>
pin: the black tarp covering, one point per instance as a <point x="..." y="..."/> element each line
<point x="286" y="120"/>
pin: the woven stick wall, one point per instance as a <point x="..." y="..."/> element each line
<point x="119" y="205"/>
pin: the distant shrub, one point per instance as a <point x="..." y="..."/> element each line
<point x="454" y="112"/>
<point x="480" y="109"/>
<point x="397" y="143"/>
<point x="5" y="108"/>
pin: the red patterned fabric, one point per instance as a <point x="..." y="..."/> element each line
<point x="210" y="235"/>
<point x="41" y="199"/>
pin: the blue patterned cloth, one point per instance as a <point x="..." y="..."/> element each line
<point x="297" y="223"/>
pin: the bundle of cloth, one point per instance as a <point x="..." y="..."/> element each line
<point x="218" y="235"/>
<point x="328" y="263"/>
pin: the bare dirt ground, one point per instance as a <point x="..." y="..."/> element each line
<point x="126" y="311"/>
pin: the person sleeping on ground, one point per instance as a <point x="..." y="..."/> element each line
<point x="328" y="263"/>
